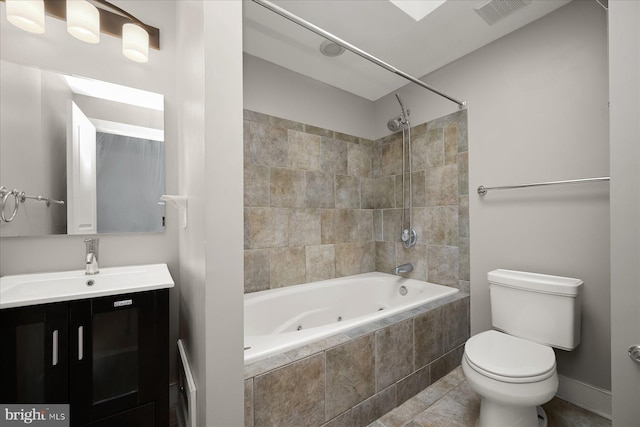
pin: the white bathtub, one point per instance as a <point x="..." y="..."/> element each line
<point x="278" y="320"/>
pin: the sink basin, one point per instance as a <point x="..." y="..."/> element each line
<point x="31" y="289"/>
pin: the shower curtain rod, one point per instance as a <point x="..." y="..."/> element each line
<point x="327" y="35"/>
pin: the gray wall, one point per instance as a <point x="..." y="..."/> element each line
<point x="33" y="133"/>
<point x="279" y="92"/>
<point x="624" y="73"/>
<point x="58" y="51"/>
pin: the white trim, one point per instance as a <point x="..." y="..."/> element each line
<point x="186" y="415"/>
<point x="124" y="129"/>
<point x="591" y="398"/>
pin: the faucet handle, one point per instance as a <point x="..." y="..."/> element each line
<point x="92" y="245"/>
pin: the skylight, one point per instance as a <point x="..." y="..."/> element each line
<point x="417" y="9"/>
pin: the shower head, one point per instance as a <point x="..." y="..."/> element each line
<point x="395" y="124"/>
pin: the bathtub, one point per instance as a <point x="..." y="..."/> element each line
<point x="281" y="319"/>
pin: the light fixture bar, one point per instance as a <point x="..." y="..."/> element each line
<point x="110" y="22"/>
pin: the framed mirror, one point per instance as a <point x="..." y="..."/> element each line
<point x="93" y="151"/>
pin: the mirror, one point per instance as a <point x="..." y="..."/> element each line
<point x="97" y="147"/>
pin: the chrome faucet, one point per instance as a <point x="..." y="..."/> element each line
<point x="404" y="268"/>
<point x="91" y="257"/>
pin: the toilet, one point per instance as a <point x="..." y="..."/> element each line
<point x="513" y="367"/>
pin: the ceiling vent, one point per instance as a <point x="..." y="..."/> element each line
<point x="493" y="11"/>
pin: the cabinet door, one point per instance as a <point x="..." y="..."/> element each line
<point x="33" y="355"/>
<point x="113" y="357"/>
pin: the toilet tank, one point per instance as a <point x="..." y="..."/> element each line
<point x="539" y="307"/>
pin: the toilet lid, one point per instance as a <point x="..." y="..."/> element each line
<point x="506" y="356"/>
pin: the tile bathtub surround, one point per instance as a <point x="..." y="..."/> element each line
<point x="320" y="204"/>
<point x="354" y="378"/>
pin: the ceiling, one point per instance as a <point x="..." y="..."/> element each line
<point x="381" y="29"/>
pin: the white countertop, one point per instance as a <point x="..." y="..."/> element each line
<point x="31" y="289"/>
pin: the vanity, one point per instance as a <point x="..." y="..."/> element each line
<point x="99" y="343"/>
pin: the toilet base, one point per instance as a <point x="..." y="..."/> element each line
<point x="493" y="414"/>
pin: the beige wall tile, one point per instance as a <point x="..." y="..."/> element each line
<point x="320" y="191"/>
<point x="304" y="227"/>
<point x="456" y="324"/>
<point x="435" y="148"/>
<point x="304" y="151"/>
<point x="450" y="143"/>
<point x="354" y="258"/>
<point x="442" y="186"/>
<point x="288" y="266"/>
<point x="392" y="157"/>
<point x="287" y="188"/>
<point x="368" y="193"/>
<point x="442" y="265"/>
<point x="320" y="263"/>
<point x="385" y="256"/>
<point x="386" y="192"/>
<point x="442" y="225"/>
<point x="333" y="156"/>
<point x="267" y="145"/>
<point x="428" y="333"/>
<point x="268" y="227"/>
<point x="347" y="192"/>
<point x="291" y="396"/>
<point x="256" y="185"/>
<point x="248" y="403"/>
<point x="350" y="375"/>
<point x="394" y="353"/>
<point x="359" y="161"/>
<point x="257" y="270"/>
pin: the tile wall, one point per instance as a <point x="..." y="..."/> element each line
<point x="320" y="204"/>
<point x="440" y="197"/>
<point x="306" y="217"/>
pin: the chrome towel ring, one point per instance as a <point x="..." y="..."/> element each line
<point x="19" y="197"/>
<point x="5" y="194"/>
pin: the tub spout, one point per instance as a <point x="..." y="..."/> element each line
<point x="404" y="268"/>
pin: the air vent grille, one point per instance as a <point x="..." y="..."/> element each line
<point x="493" y="11"/>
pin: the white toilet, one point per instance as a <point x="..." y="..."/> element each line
<point x="513" y="368"/>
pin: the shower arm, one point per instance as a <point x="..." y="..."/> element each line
<point x="327" y="35"/>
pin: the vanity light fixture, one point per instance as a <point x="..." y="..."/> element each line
<point x="135" y="43"/>
<point x="83" y="21"/>
<point x="86" y="19"/>
<point x="28" y="15"/>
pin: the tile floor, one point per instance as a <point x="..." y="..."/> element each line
<point x="450" y="402"/>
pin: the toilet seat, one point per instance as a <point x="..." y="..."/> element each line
<point x="509" y="359"/>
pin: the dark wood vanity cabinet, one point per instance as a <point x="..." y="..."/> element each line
<point x="107" y="357"/>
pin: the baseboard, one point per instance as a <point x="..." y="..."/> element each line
<point x="586" y="396"/>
